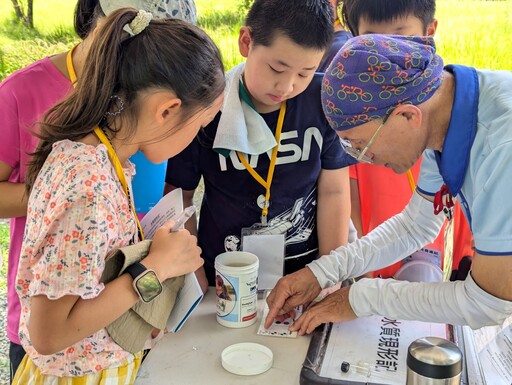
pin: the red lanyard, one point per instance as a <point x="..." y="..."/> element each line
<point x="443" y="201"/>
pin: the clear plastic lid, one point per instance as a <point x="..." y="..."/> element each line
<point x="247" y="359"/>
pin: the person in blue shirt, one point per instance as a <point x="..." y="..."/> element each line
<point x="270" y="161"/>
<point x="390" y="101"/>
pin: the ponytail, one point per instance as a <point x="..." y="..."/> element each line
<point x="78" y="115"/>
<point x="168" y="54"/>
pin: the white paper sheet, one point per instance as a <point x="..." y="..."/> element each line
<point x="494" y="346"/>
<point x="169" y="207"/>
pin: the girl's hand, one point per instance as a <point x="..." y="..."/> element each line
<point x="173" y="253"/>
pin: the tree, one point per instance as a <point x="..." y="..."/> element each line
<point x="26" y="16"/>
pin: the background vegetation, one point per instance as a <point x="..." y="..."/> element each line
<point x="472" y="32"/>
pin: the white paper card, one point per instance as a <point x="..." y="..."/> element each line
<point x="270" y="251"/>
<point x="278" y="328"/>
<point x="169" y="207"/>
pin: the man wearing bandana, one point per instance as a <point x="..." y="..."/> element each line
<point x="391" y="100"/>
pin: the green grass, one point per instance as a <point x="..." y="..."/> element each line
<point x="472" y="32"/>
<point x="475" y="33"/>
<point x="20" y="46"/>
<point x="48" y="14"/>
<point x="223" y="27"/>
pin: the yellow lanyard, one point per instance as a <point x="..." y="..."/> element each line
<point x="337" y="22"/>
<point x="111" y="152"/>
<point x="120" y="174"/>
<point x="272" y="166"/>
<point x="69" y="65"/>
<point x="412" y="184"/>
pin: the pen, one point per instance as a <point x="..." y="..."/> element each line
<point x="183" y="217"/>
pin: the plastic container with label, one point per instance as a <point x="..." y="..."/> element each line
<point x="236" y="283"/>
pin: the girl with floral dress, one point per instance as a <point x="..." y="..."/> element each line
<point x="24" y="97"/>
<point x="147" y="85"/>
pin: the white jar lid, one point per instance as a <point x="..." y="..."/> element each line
<point x="247" y="359"/>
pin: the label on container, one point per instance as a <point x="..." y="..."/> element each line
<point x="237" y="298"/>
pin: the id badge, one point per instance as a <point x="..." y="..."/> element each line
<point x="269" y="248"/>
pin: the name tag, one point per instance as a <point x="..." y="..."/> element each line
<point x="269" y="248"/>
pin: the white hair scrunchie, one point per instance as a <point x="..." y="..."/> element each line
<point x="140" y="22"/>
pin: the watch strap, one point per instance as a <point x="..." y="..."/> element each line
<point x="135" y="269"/>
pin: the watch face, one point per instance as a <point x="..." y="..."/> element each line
<point x="148" y="286"/>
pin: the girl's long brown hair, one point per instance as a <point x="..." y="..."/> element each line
<point x="169" y="54"/>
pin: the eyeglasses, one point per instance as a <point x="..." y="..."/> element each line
<point x="359" y="155"/>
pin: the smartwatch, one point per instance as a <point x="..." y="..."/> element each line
<point x="145" y="282"/>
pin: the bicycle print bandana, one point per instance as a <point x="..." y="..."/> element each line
<point x="372" y="74"/>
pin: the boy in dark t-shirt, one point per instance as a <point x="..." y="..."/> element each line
<point x="269" y="160"/>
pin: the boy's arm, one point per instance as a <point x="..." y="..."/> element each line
<point x="333" y="209"/>
<point x="14" y="198"/>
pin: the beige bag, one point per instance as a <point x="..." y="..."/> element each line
<point x="133" y="328"/>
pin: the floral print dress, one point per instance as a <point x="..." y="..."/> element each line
<point x="77" y="213"/>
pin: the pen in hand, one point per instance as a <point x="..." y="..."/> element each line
<point x="183" y="217"/>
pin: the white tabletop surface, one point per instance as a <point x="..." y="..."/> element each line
<point x="192" y="356"/>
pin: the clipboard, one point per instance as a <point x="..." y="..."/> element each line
<point x="312" y="372"/>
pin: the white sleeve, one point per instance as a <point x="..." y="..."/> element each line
<point x="398" y="237"/>
<point x="456" y="303"/>
<point x="352" y="232"/>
